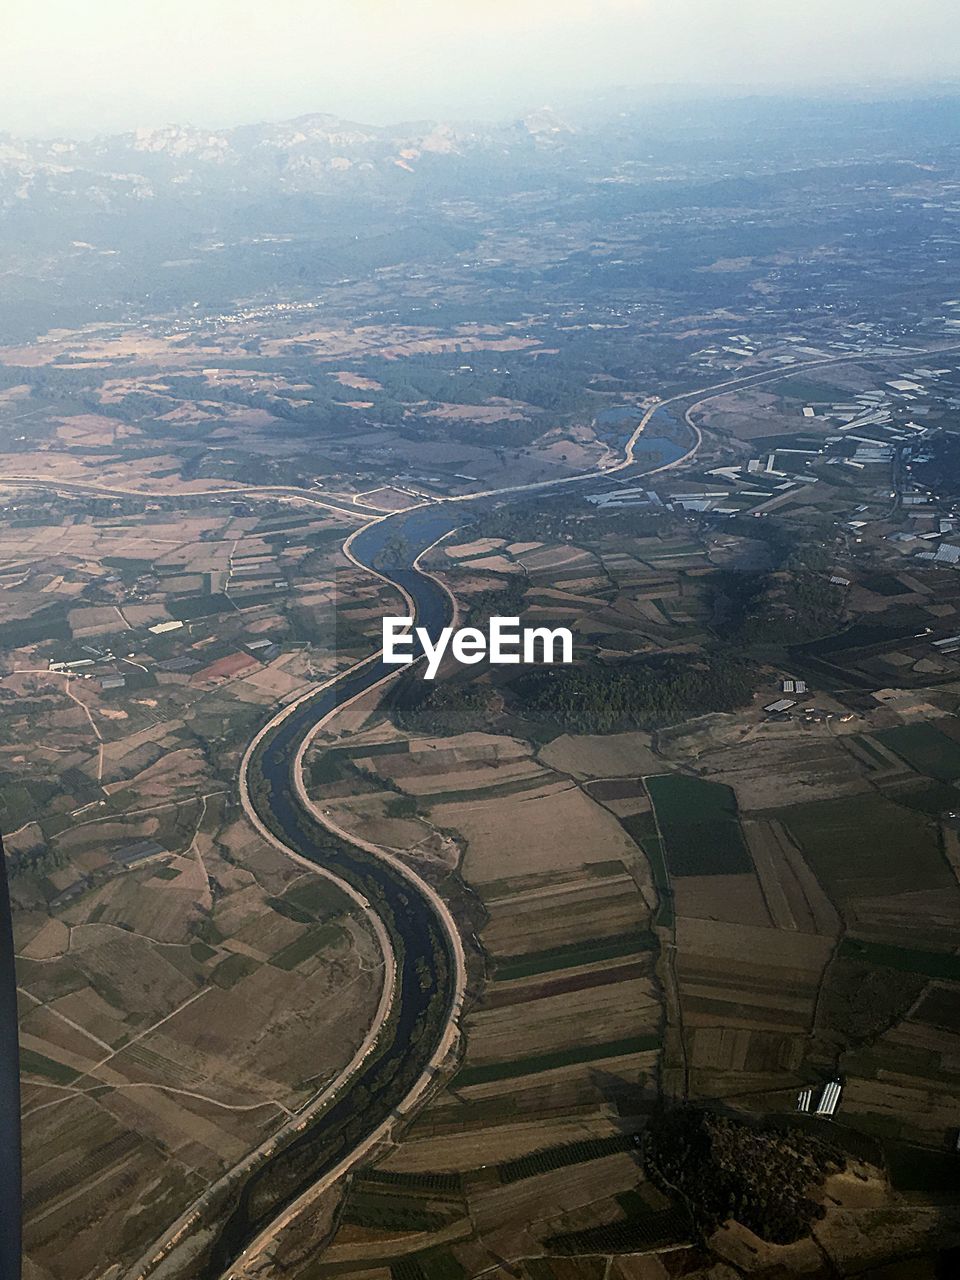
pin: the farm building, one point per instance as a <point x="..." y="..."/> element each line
<point x="782" y="704"/>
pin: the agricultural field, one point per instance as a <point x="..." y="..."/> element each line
<point x="672" y="906"/>
<point x="779" y="845"/>
<point x="766" y="840"/>
<point x="929" y="748"/>
<point x="698" y="826"/>
<point x="723" y="906"/>
<point x="147" y="644"/>
<point x="563" y="1038"/>
<point x="281" y="397"/>
<point x="173" y="1016"/>
<point x="871" y="854"/>
<point x="183" y="989"/>
<point x="619" y="593"/>
<point x="579" y="1019"/>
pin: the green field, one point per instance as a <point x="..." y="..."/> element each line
<point x="934" y="798"/>
<point x="46" y="624"/>
<point x="811" y="390"/>
<point x="699" y="824"/>
<point x="869" y="749"/>
<point x="919" y="1171"/>
<point x="868" y="845"/>
<point x="924" y="748"/>
<point x="232" y="970"/>
<point x="391" y="1212"/>
<point x="431" y="1264"/>
<point x="929" y="964"/>
<point x="444" y="1183"/>
<point x="642" y="830"/>
<point x="307" y="945"/>
<point x="38" y="1064"/>
<point x="319" y="897"/>
<point x="166" y="873"/>
<point x="665" y="916"/>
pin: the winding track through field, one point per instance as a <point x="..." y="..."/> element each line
<point x="162" y="1249"/>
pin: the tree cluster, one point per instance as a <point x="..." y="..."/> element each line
<point x="646" y="694"/>
<point x="724" y="1168"/>
<point x="443" y="709"/>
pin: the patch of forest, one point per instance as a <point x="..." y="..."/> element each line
<point x="724" y="1168"/>
<point x="644" y="694"/>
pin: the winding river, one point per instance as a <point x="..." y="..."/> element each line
<point x="424" y="989"/>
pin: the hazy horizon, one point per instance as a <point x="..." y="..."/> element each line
<point x="73" y="70"/>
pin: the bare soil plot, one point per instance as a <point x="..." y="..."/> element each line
<point x="565" y="915"/>
<point x="176" y="771"/>
<point x="119" y="1172"/>
<point x="95" y="620"/>
<point x="369" y="816"/>
<point x="496" y="564"/>
<point x="720" y="1052"/>
<point x="273" y="681"/>
<point x="552" y="975"/>
<point x="494" y="1143"/>
<point x="357" y="381"/>
<point x="201" y="1044"/>
<point x="91" y="429"/>
<point x="737" y="899"/>
<point x="591" y="1016"/>
<point x="507" y="411"/>
<point x="923" y="918"/>
<point x="612" y="755"/>
<point x="570" y="1074"/>
<point x="469" y="550"/>
<point x="153" y="908"/>
<point x="748" y="997"/>
<point x="791" y="892"/>
<point x="782" y="762"/>
<point x="534" y="1202"/>
<point x="558" y="558"/>
<point x="388" y="498"/>
<point x="50" y="939"/>
<point x="514" y="836"/>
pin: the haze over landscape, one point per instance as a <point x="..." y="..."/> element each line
<point x="71" y="68"/>
<point x="638" y="964"/>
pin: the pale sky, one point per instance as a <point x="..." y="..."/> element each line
<point x="81" y="66"/>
